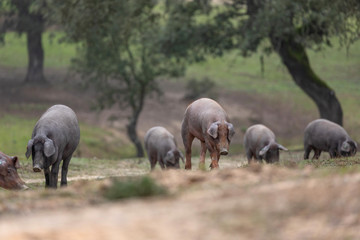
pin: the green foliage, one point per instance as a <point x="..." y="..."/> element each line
<point x="138" y="187"/>
<point x="247" y="25"/>
<point x="119" y="52"/>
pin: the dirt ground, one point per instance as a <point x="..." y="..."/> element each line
<point x="235" y="202"/>
<point x="258" y="202"/>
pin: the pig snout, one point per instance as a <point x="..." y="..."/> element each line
<point x="224" y="151"/>
<point x="37" y="168"/>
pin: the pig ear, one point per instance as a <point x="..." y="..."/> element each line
<point x="16" y="161"/>
<point x="353" y="146"/>
<point x="281" y="147"/>
<point x="49" y="148"/>
<point x="231" y="130"/>
<point x="345" y="147"/>
<point x="169" y="157"/>
<point x="213" y="130"/>
<point x="29" y="148"/>
<point x="264" y="150"/>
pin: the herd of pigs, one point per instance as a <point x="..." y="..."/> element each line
<point x="56" y="135"/>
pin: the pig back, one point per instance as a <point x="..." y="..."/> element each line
<point x="60" y="124"/>
<point x="201" y="113"/>
<point x="258" y="136"/>
<point x="322" y="133"/>
<point x="159" y="139"/>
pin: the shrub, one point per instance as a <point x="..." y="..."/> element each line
<point x="196" y="89"/>
<point x="134" y="187"/>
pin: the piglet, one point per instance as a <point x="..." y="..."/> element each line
<point x="260" y="143"/>
<point x="161" y="147"/>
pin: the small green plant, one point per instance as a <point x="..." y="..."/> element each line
<point x="139" y="187"/>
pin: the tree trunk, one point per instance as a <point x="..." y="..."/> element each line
<point x="131" y="131"/>
<point x="294" y="56"/>
<point x="32" y="23"/>
<point x="35" y="72"/>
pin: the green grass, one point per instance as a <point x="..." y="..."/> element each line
<point x="232" y="71"/>
<point x="15" y="132"/>
<point x="57" y="55"/>
<point x="134" y="187"/>
<point x="341" y="71"/>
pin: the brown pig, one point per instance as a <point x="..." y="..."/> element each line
<point x="207" y="121"/>
<point x="9" y="178"/>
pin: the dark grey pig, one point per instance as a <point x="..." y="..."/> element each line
<point x="323" y="135"/>
<point x="160" y="146"/>
<point x="55" y="137"/>
<point x="260" y="143"/>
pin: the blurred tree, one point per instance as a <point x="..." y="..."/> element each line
<point x="284" y="26"/>
<point x="120" y="54"/>
<point x="27" y="16"/>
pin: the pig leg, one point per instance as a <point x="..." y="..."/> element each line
<point x="64" y="171"/>
<point x="161" y="162"/>
<point x="214" y="159"/>
<point x="249" y="156"/>
<point x="202" y="156"/>
<point x="153" y="161"/>
<point x="47" y="177"/>
<point x="188" y="139"/>
<point x="316" y="154"/>
<point x="162" y="165"/>
<point x="333" y="154"/>
<point x="307" y="152"/>
<point x="54" y="174"/>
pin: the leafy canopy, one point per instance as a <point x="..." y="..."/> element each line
<point x="246" y="25"/>
<point x="120" y="51"/>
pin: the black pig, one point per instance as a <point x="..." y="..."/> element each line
<point x="260" y="143"/>
<point x="55" y="137"/>
<point x="323" y="135"/>
<point x="161" y="147"/>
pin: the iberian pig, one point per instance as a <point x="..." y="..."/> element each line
<point x="207" y="121"/>
<point x="161" y="147"/>
<point x="55" y="137"/>
<point x="9" y="178"/>
<point x="323" y="135"/>
<point x="260" y="143"/>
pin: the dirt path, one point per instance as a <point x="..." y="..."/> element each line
<point x="255" y="203"/>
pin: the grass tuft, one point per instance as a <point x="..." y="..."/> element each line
<point x="138" y="187"/>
